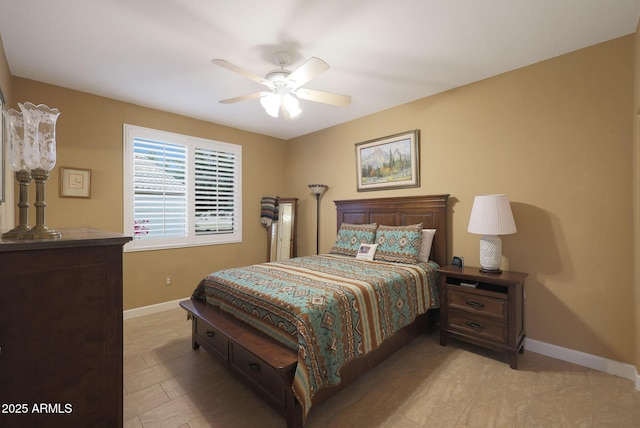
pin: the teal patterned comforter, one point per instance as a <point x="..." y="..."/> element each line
<point x="329" y="308"/>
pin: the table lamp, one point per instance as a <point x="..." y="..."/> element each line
<point x="491" y="216"/>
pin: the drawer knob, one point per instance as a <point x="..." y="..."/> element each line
<point x="475" y="325"/>
<point x="473" y="303"/>
<point x="254" y="367"/>
<point x="211" y="333"/>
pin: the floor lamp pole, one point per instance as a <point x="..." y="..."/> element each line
<point x="318" y="190"/>
<point x="317" y="223"/>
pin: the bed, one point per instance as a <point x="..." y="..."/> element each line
<point x="283" y="358"/>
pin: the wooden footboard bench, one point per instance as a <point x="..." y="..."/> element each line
<point x="266" y="365"/>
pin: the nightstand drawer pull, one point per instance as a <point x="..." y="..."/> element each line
<point x="254" y="367"/>
<point x="211" y="333"/>
<point x="475" y="325"/>
<point x="475" y="304"/>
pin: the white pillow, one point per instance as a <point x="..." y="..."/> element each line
<point x="366" y="251"/>
<point x="425" y="245"/>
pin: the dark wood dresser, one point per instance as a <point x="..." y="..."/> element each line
<point x="61" y="330"/>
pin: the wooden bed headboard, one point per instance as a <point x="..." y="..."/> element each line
<point x="430" y="210"/>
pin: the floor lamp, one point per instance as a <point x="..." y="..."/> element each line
<point x="318" y="190"/>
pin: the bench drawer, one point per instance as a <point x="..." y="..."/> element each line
<point x="257" y="372"/>
<point x="211" y="338"/>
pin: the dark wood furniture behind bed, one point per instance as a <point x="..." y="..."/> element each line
<point x="269" y="367"/>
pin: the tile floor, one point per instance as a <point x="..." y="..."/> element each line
<point x="167" y="384"/>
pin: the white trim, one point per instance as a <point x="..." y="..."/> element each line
<point x="151" y="309"/>
<point x="595" y="362"/>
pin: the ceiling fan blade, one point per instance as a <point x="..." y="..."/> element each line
<point x="323" y="97"/>
<point x="244" y="97"/>
<point x="245" y="73"/>
<point x="285" y="112"/>
<point x="307" y="71"/>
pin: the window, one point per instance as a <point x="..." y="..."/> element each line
<point x="180" y="191"/>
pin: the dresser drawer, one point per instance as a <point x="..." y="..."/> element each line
<point x="476" y="303"/>
<point x="211" y="338"/>
<point x="478" y="326"/>
<point x="257" y="372"/>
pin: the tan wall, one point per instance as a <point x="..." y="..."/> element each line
<point x="636" y="194"/>
<point x="6" y="213"/>
<point x="5" y="74"/>
<point x="557" y="138"/>
<point x="89" y="135"/>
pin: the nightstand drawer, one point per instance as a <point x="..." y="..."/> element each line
<point x="477" y="326"/>
<point x="476" y="303"/>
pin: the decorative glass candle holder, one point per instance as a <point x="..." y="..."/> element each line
<point x="40" y="157"/>
<point x="15" y="137"/>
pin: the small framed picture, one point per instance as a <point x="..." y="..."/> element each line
<point x="75" y="182"/>
<point x="366" y="251"/>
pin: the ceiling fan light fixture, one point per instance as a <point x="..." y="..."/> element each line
<point x="271" y="104"/>
<point x="285" y="86"/>
<point x="278" y="78"/>
<point x="290" y="103"/>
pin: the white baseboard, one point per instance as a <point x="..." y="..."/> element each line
<point x="606" y="365"/>
<point x="151" y="309"/>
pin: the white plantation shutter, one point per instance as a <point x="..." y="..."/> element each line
<point x="216" y="198"/>
<point x="160" y="190"/>
<point x="179" y="190"/>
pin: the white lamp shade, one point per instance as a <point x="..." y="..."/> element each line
<point x="291" y="104"/>
<point x="274" y="101"/>
<point x="491" y="215"/>
<point x="271" y="104"/>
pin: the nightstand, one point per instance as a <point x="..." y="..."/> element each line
<point x="483" y="308"/>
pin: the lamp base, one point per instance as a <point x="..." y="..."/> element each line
<point x="490" y="270"/>
<point x="490" y="253"/>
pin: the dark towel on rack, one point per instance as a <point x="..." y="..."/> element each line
<point x="268" y="210"/>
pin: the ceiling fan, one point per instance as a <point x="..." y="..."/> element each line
<point x="286" y="86"/>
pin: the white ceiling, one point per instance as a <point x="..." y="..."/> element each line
<point x="157" y="53"/>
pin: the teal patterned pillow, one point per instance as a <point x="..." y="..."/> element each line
<point x="350" y="236"/>
<point x="399" y="244"/>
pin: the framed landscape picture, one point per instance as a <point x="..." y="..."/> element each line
<point x="389" y="163"/>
